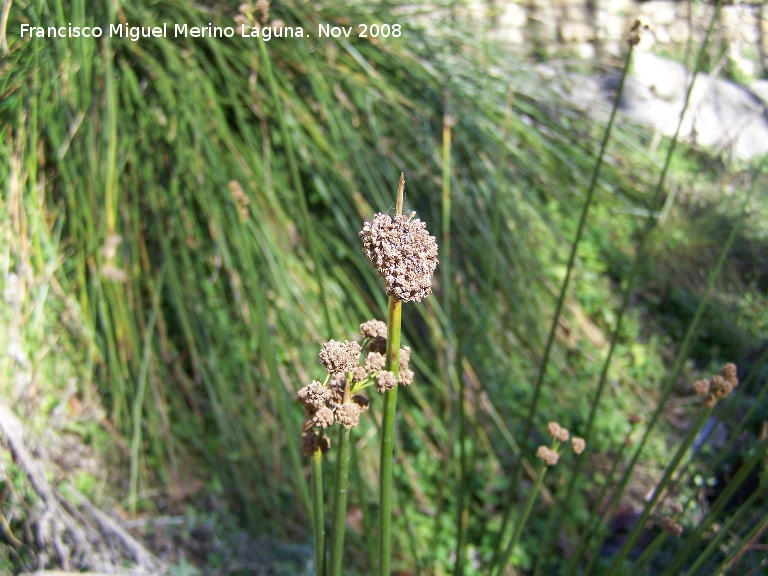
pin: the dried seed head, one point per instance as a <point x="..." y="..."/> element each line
<point x="403" y="253"/>
<point x="309" y="443"/>
<point x="670" y="526"/>
<point x="323" y="417"/>
<point x="374" y="362"/>
<point x="578" y="444"/>
<point x="405" y="356"/>
<point x="360" y="374"/>
<point x="324" y="444"/>
<point x="549" y="456"/>
<point x="720" y="387"/>
<point x="314" y="395"/>
<point x="405" y="376"/>
<point x="373" y="329"/>
<point x="348" y="415"/>
<point x="385" y="380"/>
<point x="675" y="509"/>
<point x="557" y="432"/>
<point x="634" y="419"/>
<point x="701" y="387"/>
<point x="361" y="401"/>
<point x="730" y="373"/>
<point x="339" y="356"/>
<point x="336" y="386"/>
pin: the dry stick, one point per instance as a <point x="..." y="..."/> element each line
<point x="394" y="317"/>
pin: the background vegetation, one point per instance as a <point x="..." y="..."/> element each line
<point x="180" y="223"/>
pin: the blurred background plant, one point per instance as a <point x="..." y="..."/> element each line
<point x="180" y="221"/>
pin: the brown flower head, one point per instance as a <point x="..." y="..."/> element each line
<point x="309" y="443"/>
<point x="385" y="380"/>
<point x="405" y="377"/>
<point x="374" y="362"/>
<point x="361" y="401"/>
<point x="348" y="415"/>
<point x="403" y="253"/>
<point x="360" y="374"/>
<point x="730" y="373"/>
<point x="373" y="329"/>
<point x="671" y="526"/>
<point x="557" y="432"/>
<point x="720" y="387"/>
<point x="701" y="387"/>
<point x="549" y="456"/>
<point x="339" y="356"/>
<point x="405" y="356"/>
<point x="578" y="444"/>
<point x="323" y="417"/>
<point x="314" y="395"/>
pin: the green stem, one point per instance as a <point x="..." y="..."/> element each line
<point x="521" y="522"/>
<point x="658" y="491"/>
<point x="394" y="317"/>
<point x="531" y="412"/>
<point x="650" y="552"/>
<point x="340" y="502"/>
<point x="318" y="518"/>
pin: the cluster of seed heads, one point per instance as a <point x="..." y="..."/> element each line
<point x="719" y="386"/>
<point x="550" y="455"/>
<point x="351" y="367"/>
<point x="401" y="250"/>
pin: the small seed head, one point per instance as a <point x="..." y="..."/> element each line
<point x="314" y="396"/>
<point x="373" y="329"/>
<point x="385" y="380"/>
<point x="339" y="356"/>
<point x="405" y="376"/>
<point x="374" y="362"/>
<point x="348" y="415"/>
<point x="557" y="432"/>
<point x="323" y="417"/>
<point x="549" y="456"/>
<point x="670" y="526"/>
<point x="578" y="444"/>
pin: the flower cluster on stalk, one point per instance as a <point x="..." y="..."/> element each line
<point x="401" y="250"/>
<point x="550" y="455"/>
<point x="719" y="386"/>
<point x="351" y="367"/>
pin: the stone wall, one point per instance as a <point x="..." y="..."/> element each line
<point x="592" y="28"/>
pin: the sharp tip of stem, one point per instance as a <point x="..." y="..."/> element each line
<point x="400" y="193"/>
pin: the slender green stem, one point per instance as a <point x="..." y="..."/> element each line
<point x="532" y="495"/>
<point x="340" y="502"/>
<point x="650" y="552"/>
<point x="723" y="499"/>
<point x="659" y="490"/>
<point x="394" y="317"/>
<point x="318" y="517"/>
<point x="531" y="412"/>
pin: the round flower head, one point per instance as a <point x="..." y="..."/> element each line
<point x="385" y="380"/>
<point x="374" y="362"/>
<point x="348" y="415"/>
<point x="339" y="356"/>
<point x="314" y="395"/>
<point x="373" y="329"/>
<point x="578" y="444"/>
<point x="557" y="432"/>
<point x="549" y="456"/>
<point x="403" y="253"/>
<point x="323" y="417"/>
